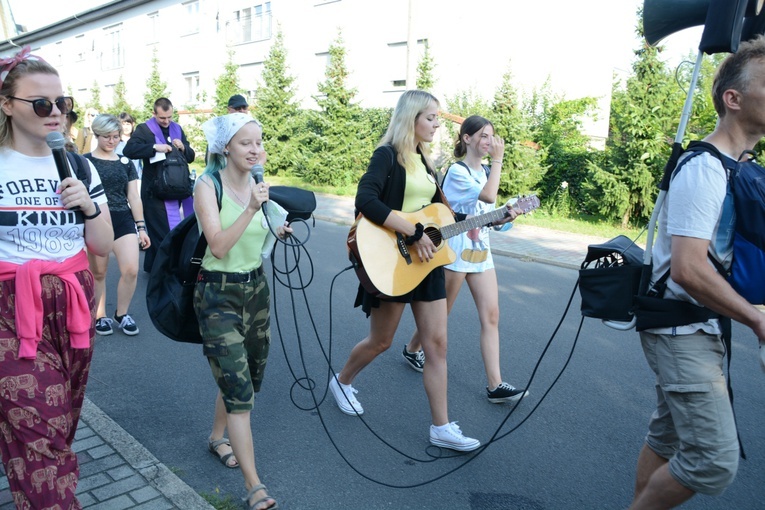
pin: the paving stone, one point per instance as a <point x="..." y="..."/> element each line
<point x="101" y="465"/>
<point x="100" y="451"/>
<point x="91" y="482"/>
<point x="145" y="494"/>
<point x="87" y="443"/>
<point x="118" y="503"/>
<point x="121" y="472"/>
<point x="157" y="504"/>
<point x="121" y="487"/>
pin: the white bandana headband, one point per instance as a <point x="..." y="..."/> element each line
<point x="220" y="130"/>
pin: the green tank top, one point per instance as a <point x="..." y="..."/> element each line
<point x="245" y="255"/>
<point x="420" y="187"/>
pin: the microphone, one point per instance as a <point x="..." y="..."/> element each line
<point x="257" y="173"/>
<point x="55" y="141"/>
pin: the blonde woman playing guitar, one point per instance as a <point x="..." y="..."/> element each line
<point x="400" y="177"/>
<point x="472" y="190"/>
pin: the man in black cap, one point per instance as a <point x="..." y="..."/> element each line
<point x="237" y="103"/>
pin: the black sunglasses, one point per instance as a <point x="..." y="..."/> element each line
<point x="43" y="107"/>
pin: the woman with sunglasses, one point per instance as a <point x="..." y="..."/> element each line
<point x="120" y="181"/>
<point x="46" y="289"/>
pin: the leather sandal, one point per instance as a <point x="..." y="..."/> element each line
<point x="255" y="489"/>
<point x="213" y="447"/>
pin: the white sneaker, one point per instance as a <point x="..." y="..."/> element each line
<point x="345" y="398"/>
<point x="450" y="436"/>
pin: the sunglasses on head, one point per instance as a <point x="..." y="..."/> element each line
<point x="44" y="107"/>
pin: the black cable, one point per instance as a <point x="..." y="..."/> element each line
<point x="292" y="266"/>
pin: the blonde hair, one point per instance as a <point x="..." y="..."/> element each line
<point x="24" y="68"/>
<point x="106" y="123"/>
<point x="400" y="133"/>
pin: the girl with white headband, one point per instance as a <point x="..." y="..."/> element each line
<point x="232" y="298"/>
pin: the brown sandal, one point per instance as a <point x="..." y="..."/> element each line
<point x="213" y="447"/>
<point x="255" y="489"/>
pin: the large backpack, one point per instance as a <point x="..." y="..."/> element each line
<point x="747" y="184"/>
<point x="170" y="290"/>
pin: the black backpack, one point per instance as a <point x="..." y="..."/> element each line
<point x="170" y="290"/>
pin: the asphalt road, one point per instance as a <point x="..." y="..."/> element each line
<point x="571" y="444"/>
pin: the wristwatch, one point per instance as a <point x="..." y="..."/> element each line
<point x="95" y="214"/>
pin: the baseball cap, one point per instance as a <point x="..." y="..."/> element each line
<point x="237" y="101"/>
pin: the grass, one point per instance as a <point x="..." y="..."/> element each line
<point x="221" y="503"/>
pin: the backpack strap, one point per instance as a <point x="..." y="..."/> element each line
<point x="81" y="168"/>
<point x="199" y="251"/>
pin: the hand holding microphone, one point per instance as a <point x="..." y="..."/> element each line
<point x="260" y="190"/>
<point x="74" y="195"/>
<point x="55" y="141"/>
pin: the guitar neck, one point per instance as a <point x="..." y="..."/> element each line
<point x="471" y="223"/>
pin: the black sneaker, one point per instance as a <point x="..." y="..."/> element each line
<point x="104" y="326"/>
<point x="416" y="360"/>
<point x="505" y="393"/>
<point x="127" y="325"/>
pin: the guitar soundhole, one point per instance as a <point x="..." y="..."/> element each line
<point x="434" y="234"/>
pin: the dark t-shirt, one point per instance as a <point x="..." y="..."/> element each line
<point x="115" y="176"/>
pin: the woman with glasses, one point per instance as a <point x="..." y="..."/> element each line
<point x="46" y="289"/>
<point x="120" y="181"/>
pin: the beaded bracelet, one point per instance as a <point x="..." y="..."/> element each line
<point x="496" y="161"/>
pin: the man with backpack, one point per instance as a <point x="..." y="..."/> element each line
<point x="157" y="142"/>
<point x="692" y="444"/>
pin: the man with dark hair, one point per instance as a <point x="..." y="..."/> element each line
<point x="237" y="103"/>
<point x="692" y="445"/>
<point x="150" y="142"/>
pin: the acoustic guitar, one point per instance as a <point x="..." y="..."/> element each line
<point x="382" y="260"/>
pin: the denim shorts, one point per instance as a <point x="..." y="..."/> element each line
<point x="693" y="425"/>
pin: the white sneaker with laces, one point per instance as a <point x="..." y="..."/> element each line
<point x="345" y="398"/>
<point x="450" y="436"/>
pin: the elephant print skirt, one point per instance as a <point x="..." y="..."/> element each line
<point x="41" y="399"/>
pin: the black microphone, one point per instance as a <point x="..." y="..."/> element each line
<point x="257" y="173"/>
<point x="55" y="141"/>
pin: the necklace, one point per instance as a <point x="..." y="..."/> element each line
<point x="236" y="195"/>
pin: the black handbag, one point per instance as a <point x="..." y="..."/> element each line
<point x="609" y="279"/>
<point x="173" y="178"/>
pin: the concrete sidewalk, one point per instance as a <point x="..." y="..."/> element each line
<point x="117" y="472"/>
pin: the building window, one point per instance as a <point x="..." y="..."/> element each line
<point x="113" y="56"/>
<point x="191" y="16"/>
<point x="82" y="48"/>
<point x="250" y="24"/>
<point x="152" y="28"/>
<point x="59" y="54"/>
<point x="192" y="87"/>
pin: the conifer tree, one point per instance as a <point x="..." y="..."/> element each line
<point x="344" y="152"/>
<point x="226" y="85"/>
<point x="155" y="88"/>
<point x="644" y="116"/>
<point x="95" y="97"/>
<point x="276" y="109"/>
<point x="120" y="103"/>
<point x="425" y="80"/>
<point x="522" y="169"/>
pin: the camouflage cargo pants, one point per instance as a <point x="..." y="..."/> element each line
<point x="234" y="321"/>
